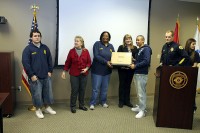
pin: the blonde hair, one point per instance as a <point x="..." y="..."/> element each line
<point x="81" y="39"/>
<point x="125" y="37"/>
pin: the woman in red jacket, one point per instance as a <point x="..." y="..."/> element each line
<point x="78" y="62"/>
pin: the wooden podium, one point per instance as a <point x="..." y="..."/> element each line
<point x="174" y="97"/>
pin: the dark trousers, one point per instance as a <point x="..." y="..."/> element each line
<point x="78" y="85"/>
<point x="125" y="79"/>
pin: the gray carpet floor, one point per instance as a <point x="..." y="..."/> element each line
<point x="100" y="120"/>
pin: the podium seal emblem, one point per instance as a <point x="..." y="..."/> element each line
<point x="178" y="80"/>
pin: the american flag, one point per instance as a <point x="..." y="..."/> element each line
<point x="197" y="48"/>
<point x="34" y="27"/>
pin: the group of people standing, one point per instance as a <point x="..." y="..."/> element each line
<point x="37" y="62"/>
<point x="138" y="71"/>
<point x="174" y="54"/>
<point x="78" y="60"/>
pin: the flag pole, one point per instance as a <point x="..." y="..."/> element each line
<point x="197" y="22"/>
<point x="178" y="17"/>
<point x="34" y="7"/>
<point x="198" y="65"/>
<point x="196" y="37"/>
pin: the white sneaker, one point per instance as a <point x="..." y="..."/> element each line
<point x="136" y="109"/>
<point x="105" y="105"/>
<point x="39" y="114"/>
<point x="92" y="107"/>
<point x="50" y="110"/>
<point x="140" y="114"/>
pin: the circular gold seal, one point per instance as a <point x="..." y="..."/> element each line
<point x="178" y="80"/>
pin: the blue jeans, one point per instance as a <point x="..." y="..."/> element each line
<point x="41" y="91"/>
<point x="140" y="81"/>
<point x="99" y="83"/>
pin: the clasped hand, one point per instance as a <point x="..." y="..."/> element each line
<point x="132" y="66"/>
<point x="109" y="64"/>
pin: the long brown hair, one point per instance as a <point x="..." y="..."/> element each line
<point x="125" y="37"/>
<point x="189" y="50"/>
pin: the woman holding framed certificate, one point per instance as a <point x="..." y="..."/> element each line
<point x="125" y="72"/>
<point x="101" y="69"/>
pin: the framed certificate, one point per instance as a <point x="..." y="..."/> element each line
<point x="121" y="58"/>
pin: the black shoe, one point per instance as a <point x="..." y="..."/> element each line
<point x="120" y="105"/>
<point x="73" y="110"/>
<point x="83" y="108"/>
<point x="129" y="105"/>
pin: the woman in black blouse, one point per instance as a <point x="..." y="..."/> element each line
<point x="194" y="55"/>
<point x="125" y="73"/>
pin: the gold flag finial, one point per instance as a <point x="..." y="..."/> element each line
<point x="34" y="7"/>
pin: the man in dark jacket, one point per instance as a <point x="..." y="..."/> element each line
<point x="141" y="65"/>
<point x="172" y="53"/>
<point x="37" y="61"/>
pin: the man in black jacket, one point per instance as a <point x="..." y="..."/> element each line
<point x="172" y="53"/>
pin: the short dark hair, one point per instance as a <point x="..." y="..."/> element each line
<point x="141" y="37"/>
<point x="101" y="36"/>
<point x="34" y="31"/>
